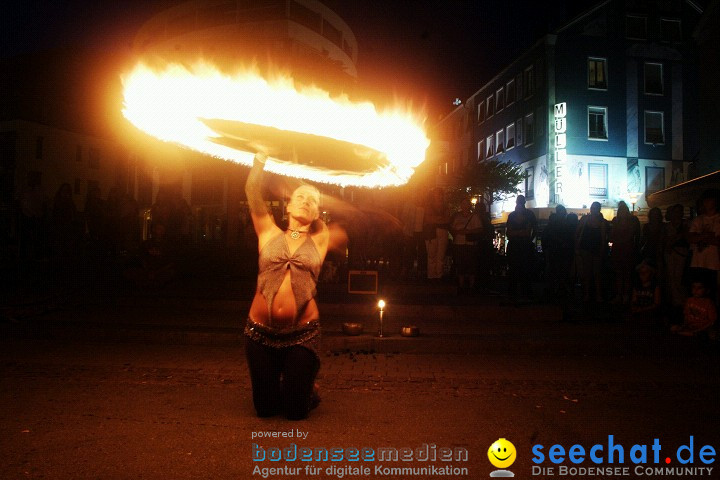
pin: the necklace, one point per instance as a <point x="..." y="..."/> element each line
<point x="295" y="234"/>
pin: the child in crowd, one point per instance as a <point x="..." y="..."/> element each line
<point x="700" y="312"/>
<point x="645" y="303"/>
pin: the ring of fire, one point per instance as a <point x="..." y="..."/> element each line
<point x="320" y="138"/>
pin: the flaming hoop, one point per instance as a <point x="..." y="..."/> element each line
<point x="321" y="138"/>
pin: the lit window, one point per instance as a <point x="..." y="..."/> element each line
<point x="529" y="81"/>
<point x="481" y="112"/>
<point x="500" y="99"/>
<point x="597" y="123"/>
<point x="670" y="30"/>
<point x="636" y="27"/>
<point x="489" y="146"/>
<point x="597" y="73"/>
<point x="490" y="104"/>
<point x="598" y="180"/>
<point x="480" y="150"/>
<point x="653" y="78"/>
<point x="530" y="183"/>
<point x="500" y="141"/>
<point x="654" y="128"/>
<point x="510" y="92"/>
<point x="519" y="132"/>
<point x="654" y="179"/>
<point x="529" y="129"/>
<point x="510" y="136"/>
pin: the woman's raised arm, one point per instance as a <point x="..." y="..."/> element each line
<point x="262" y="220"/>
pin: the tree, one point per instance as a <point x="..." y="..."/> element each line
<point x="492" y="179"/>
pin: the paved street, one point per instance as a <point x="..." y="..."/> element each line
<point x="132" y="410"/>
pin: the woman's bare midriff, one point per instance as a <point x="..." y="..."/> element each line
<point x="284" y="309"/>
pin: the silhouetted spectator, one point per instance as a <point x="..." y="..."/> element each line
<point x="95" y="217"/>
<point x="703" y="238"/>
<point x="466" y="228"/>
<point x="32" y="213"/>
<point x="435" y="226"/>
<point x="676" y="256"/>
<point x="590" y="242"/>
<point x="486" y="254"/>
<point x="64" y="226"/>
<point x="652" y="238"/>
<point x="128" y="223"/>
<point x="625" y="238"/>
<point x="570" y="257"/>
<point x="521" y="232"/>
<point x="554" y="248"/>
<point x="157" y="262"/>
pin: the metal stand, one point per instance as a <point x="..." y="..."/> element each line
<point x="380" y="333"/>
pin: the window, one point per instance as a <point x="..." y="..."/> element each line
<point x="670" y="30"/>
<point x="530" y="183"/>
<point x="500" y="99"/>
<point x="597" y="73"/>
<point x="490" y="104"/>
<point x="529" y="133"/>
<point x="654" y="179"/>
<point x="654" y="128"/>
<point x="636" y="27"/>
<point x="489" y="146"/>
<point x="518" y="132"/>
<point x="481" y="150"/>
<point x="598" y="180"/>
<point x="510" y="92"/>
<point x="481" y="112"/>
<point x="653" y="78"/>
<point x="500" y="141"/>
<point x="94" y="158"/>
<point x="510" y="136"/>
<point x="519" y="88"/>
<point x="597" y="123"/>
<point x="39" y="146"/>
<point x="78" y="153"/>
<point x="529" y="81"/>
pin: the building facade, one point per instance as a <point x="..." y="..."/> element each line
<point x="599" y="110"/>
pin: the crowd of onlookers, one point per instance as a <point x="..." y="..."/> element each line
<point x="71" y="243"/>
<point x="665" y="269"/>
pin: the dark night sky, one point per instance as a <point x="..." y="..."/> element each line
<point x="430" y="51"/>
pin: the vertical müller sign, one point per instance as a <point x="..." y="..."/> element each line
<point x="560" y="145"/>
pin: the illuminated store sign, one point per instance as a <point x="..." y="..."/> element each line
<point x="560" y="148"/>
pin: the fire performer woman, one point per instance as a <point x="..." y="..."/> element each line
<point x="283" y="330"/>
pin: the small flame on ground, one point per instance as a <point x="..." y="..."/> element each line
<point x="170" y="104"/>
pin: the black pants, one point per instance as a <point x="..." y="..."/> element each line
<point x="521" y="260"/>
<point x="282" y="378"/>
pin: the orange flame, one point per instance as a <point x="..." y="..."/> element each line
<point x="173" y="103"/>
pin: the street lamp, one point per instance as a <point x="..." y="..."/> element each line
<point x="634" y="198"/>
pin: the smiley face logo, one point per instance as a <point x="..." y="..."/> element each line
<point x="501" y="453"/>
